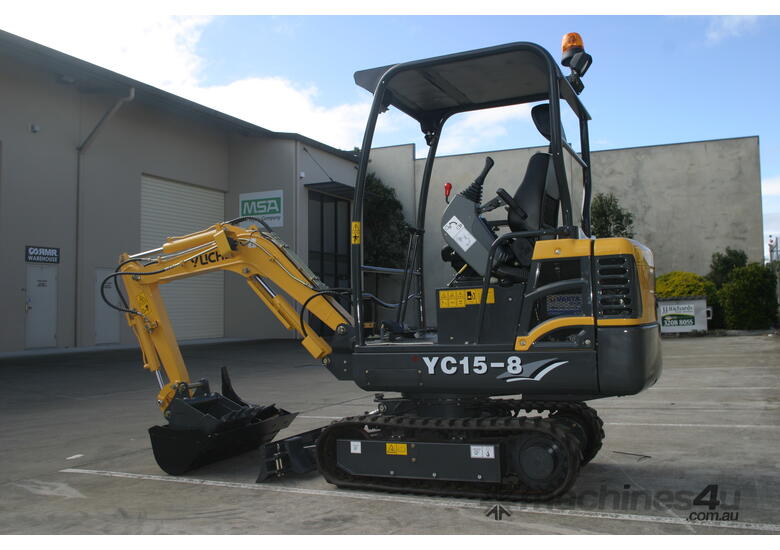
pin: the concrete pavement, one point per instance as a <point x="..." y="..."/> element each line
<point x="76" y="458"/>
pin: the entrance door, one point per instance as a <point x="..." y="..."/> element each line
<point x="106" y="318"/>
<point x="41" y="307"/>
<point x="329" y="244"/>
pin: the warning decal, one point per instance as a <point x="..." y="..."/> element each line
<point x="463" y="297"/>
<point x="395" y="449"/>
<point x="355" y="232"/>
<point x="462" y="237"/>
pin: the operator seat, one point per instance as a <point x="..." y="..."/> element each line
<point x="537" y="197"/>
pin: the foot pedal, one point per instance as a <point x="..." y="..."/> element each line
<point x="295" y="454"/>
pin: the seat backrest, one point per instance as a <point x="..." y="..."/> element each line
<point x="537" y="195"/>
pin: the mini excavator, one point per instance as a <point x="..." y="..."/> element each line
<point x="538" y="319"/>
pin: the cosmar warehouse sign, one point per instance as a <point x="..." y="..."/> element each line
<point x="266" y="205"/>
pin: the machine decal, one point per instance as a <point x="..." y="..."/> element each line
<point x="538" y="370"/>
<point x="463" y="297"/>
<point x="396" y="449"/>
<point x="355" y="447"/>
<point x="473" y="365"/>
<point x="207" y="258"/>
<point x="455" y="229"/>
<point x="483" y="451"/>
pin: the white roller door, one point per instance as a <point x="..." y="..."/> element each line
<point x="196" y="304"/>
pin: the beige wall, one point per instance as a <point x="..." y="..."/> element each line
<point x="395" y="166"/>
<point x="37" y="185"/>
<point x="38" y="188"/>
<point x="38" y="174"/>
<point x="689" y="200"/>
<point x="257" y="164"/>
<point x="137" y="140"/>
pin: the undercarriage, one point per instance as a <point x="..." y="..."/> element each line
<point x="505" y="449"/>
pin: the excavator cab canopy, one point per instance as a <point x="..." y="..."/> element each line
<point x="429" y="89"/>
<point x="434" y="89"/>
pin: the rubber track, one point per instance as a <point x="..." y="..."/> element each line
<point x="469" y="429"/>
<point x="512" y="425"/>
<point x="590" y="417"/>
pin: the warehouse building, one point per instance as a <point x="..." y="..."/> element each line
<point x="93" y="164"/>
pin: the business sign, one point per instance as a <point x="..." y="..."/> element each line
<point x="266" y="205"/>
<point x="683" y="315"/>
<point x="41" y="254"/>
<point x="678" y="315"/>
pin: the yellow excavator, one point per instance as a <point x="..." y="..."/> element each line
<point x="538" y="318"/>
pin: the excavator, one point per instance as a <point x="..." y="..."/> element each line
<point x="539" y="317"/>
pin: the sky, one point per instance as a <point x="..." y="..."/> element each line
<point x="654" y="79"/>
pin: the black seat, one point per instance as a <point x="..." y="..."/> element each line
<point x="538" y="198"/>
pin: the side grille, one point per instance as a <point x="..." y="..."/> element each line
<point x="616" y="287"/>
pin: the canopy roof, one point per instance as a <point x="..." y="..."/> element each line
<point x="490" y="77"/>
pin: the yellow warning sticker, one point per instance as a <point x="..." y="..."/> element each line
<point x="143" y="304"/>
<point x="355" y="232"/>
<point x="396" y="449"/>
<point x="464" y="297"/>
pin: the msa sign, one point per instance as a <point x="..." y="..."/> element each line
<point x="266" y="205"/>
<point x="41" y="255"/>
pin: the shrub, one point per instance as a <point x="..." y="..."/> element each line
<point x="608" y="219"/>
<point x="386" y="231"/>
<point x="723" y="264"/>
<point x="720" y="268"/>
<point x="749" y="297"/>
<point x="683" y="283"/>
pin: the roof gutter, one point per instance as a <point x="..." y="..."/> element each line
<point x="107" y="115"/>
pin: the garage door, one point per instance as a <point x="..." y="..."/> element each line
<point x="196" y="304"/>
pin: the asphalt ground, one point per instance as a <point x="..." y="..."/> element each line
<point x="75" y="456"/>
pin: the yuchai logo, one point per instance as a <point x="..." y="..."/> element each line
<point x="266" y="205"/>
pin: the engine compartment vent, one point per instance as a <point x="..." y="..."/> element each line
<point x="616" y="287"/>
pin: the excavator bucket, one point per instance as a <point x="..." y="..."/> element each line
<point x="208" y="427"/>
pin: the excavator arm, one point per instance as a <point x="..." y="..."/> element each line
<point x="258" y="256"/>
<point x="211" y="425"/>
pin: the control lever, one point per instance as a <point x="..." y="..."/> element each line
<point x="474" y="191"/>
<point x="491" y="205"/>
<point x="488" y="165"/>
<point x="510" y="202"/>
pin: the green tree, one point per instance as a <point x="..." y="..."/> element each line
<point x="608" y="219"/>
<point x="386" y="232"/>
<point x="723" y="263"/>
<point x="720" y="268"/>
<point x="749" y="297"/>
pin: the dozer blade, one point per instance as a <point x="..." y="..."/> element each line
<point x="208" y="427"/>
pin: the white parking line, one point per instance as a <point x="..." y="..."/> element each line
<point x="735" y="368"/>
<point x="433" y="501"/>
<point x="645" y="424"/>
<point x="718" y="426"/>
<point x="690" y="388"/>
